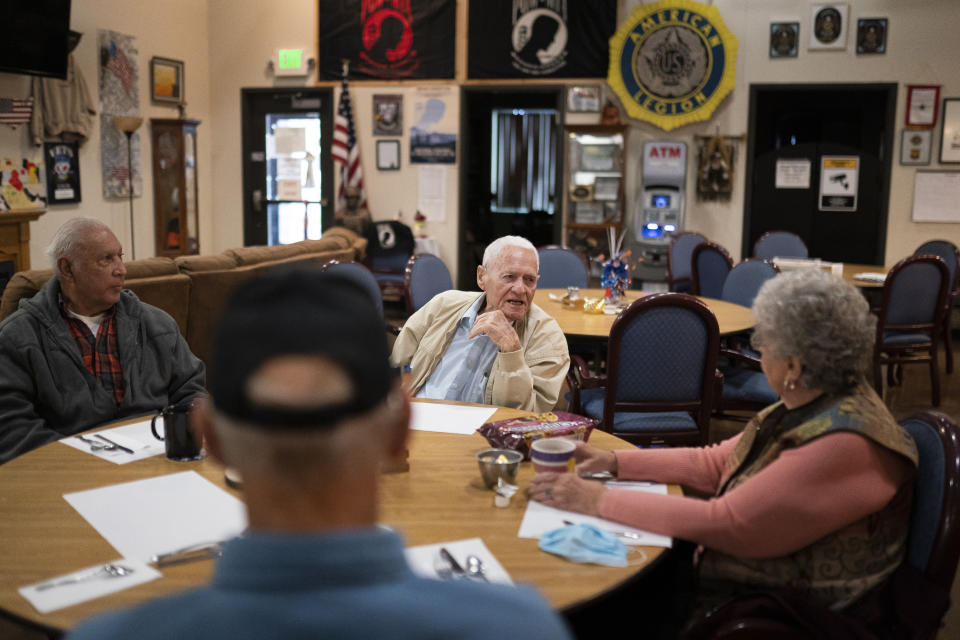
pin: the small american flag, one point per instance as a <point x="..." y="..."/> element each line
<point x="120" y="65"/>
<point x="15" y="112"/>
<point x="346" y="151"/>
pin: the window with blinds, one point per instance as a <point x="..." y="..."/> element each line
<point x="523" y="160"/>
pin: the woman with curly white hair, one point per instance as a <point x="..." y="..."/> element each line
<point x="813" y="496"/>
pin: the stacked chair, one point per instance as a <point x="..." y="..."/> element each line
<point x="948" y="252"/>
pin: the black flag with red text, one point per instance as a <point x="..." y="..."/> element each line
<point x="387" y="39"/>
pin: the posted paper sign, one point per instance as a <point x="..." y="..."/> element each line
<point x="793" y="174"/>
<point x="839" y="182"/>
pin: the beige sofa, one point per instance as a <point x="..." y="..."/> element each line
<point x="193" y="289"/>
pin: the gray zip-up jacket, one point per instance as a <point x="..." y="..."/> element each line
<point x="45" y="391"/>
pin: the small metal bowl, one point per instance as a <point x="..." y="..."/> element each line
<point x="491" y="470"/>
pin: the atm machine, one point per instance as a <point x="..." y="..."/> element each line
<point x="659" y="209"/>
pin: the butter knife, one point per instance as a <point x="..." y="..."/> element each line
<point x="457" y="569"/>
<point x="117" y="445"/>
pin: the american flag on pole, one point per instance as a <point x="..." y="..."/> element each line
<point x="15" y="112"/>
<point x="346" y="151"/>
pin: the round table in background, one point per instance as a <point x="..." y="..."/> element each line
<point x="731" y="317"/>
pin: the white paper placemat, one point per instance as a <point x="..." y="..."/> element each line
<point x="539" y="518"/>
<point x="422" y="559"/>
<point x="448" y="418"/>
<point x="136" y="436"/>
<point x="95" y="584"/>
<point x="157" y="515"/>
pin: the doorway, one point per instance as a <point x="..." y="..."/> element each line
<point x="510" y="169"/>
<point x="287" y="166"/>
<point x="791" y="125"/>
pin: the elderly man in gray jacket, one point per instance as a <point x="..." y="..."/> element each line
<point x="84" y="350"/>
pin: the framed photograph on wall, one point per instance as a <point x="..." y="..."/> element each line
<point x="583" y="99"/>
<point x="871" y="35"/>
<point x="166" y="80"/>
<point x="388" y="155"/>
<point x="63" y="172"/>
<point x="950" y="132"/>
<point x="784" y="39"/>
<point x="387" y="115"/>
<point x="923" y="100"/>
<point x="915" y="146"/>
<point x="829" y="26"/>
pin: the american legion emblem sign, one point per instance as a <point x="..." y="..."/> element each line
<point x="672" y="62"/>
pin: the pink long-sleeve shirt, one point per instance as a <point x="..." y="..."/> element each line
<point x="803" y="495"/>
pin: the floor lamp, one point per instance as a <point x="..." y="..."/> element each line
<point x="129" y="124"/>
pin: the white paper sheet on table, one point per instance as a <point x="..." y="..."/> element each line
<point x="448" y="418"/>
<point x="136" y="436"/>
<point x="147" y="517"/>
<point x="422" y="559"/>
<point x="871" y="276"/>
<point x="539" y="518"/>
<point x="66" y="595"/>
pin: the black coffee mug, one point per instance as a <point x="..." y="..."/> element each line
<point x="178" y="437"/>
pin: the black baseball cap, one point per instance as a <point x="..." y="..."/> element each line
<point x="299" y="311"/>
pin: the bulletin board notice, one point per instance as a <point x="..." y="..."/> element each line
<point x="936" y="195"/>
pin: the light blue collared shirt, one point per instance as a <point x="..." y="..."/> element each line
<point x="463" y="370"/>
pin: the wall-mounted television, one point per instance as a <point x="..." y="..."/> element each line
<point x="35" y="36"/>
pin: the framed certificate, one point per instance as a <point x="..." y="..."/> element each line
<point x="950" y="132"/>
<point x="915" y="146"/>
<point x="922" y="103"/>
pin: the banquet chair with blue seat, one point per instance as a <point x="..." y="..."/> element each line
<point x="780" y="244"/>
<point x="661" y="373"/>
<point x="424" y="277"/>
<point x="745" y="387"/>
<point x="561" y="267"/>
<point x="910" y="320"/>
<point x="709" y="267"/>
<point x="679" y="259"/>
<point x="917" y="595"/>
<point x="948" y="252"/>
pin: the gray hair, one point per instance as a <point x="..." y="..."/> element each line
<point x="822" y="320"/>
<point x="492" y="253"/>
<point x="69" y="239"/>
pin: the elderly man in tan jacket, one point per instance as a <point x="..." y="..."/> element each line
<point x="495" y="347"/>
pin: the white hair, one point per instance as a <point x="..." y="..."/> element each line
<point x="492" y="253"/>
<point x="69" y="239"/>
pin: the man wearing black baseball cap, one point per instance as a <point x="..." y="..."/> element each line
<point x="303" y="405"/>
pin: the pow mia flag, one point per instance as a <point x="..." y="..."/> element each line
<point x="540" y="38"/>
<point x="386" y="39"/>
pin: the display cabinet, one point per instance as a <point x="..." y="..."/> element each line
<point x="175" y="185"/>
<point x="594" y="199"/>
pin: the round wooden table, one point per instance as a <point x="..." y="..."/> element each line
<point x="441" y="498"/>
<point x="731" y="317"/>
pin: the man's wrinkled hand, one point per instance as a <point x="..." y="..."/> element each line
<point x="498" y="328"/>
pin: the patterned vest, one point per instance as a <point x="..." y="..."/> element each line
<point x="840" y="567"/>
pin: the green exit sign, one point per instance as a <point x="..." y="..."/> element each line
<point x="290" y="58"/>
<point x="290" y="62"/>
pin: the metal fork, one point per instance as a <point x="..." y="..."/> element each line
<point x="109" y="570"/>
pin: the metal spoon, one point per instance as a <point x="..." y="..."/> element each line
<point x="106" y="571"/>
<point x="475" y="568"/>
<point x="96" y="445"/>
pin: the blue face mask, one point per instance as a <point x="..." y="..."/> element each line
<point x="585" y="543"/>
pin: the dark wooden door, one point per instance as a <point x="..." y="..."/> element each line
<point x="809" y="122"/>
